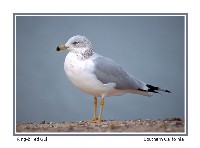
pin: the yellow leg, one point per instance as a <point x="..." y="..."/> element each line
<point x="95" y="119"/>
<point x="101" y="109"/>
<point x="95" y="109"/>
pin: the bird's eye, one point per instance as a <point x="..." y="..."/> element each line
<point x="76" y="43"/>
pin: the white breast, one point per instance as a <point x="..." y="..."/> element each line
<point x="80" y="73"/>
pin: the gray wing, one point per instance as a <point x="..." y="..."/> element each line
<point x="108" y="71"/>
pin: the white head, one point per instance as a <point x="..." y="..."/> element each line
<point x="78" y="44"/>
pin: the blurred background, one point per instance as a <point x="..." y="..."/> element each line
<point x="151" y="48"/>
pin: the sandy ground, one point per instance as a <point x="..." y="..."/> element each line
<point x="166" y="125"/>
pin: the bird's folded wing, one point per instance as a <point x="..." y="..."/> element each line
<point x="108" y="71"/>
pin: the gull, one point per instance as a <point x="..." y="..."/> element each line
<point x="99" y="76"/>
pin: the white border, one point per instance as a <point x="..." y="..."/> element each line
<point x="116" y="133"/>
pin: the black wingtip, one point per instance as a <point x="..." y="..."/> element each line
<point x="168" y="91"/>
<point x="153" y="89"/>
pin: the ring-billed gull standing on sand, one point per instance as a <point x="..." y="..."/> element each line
<point x="99" y="76"/>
